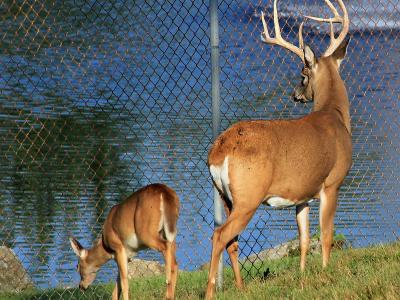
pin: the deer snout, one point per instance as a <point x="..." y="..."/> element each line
<point x="82" y="287"/>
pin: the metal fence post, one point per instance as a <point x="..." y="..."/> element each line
<point x="215" y="94"/>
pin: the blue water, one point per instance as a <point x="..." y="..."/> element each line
<point x="100" y="98"/>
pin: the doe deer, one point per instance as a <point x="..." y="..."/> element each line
<point x="146" y="219"/>
<point x="285" y="163"/>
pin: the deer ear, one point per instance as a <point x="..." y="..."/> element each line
<point x="341" y="51"/>
<point x="77" y="247"/>
<point x="309" y="57"/>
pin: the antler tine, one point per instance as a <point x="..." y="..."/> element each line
<point x="267" y="37"/>
<point x="276" y="21"/>
<point x="335" y="42"/>
<point x="345" y="29"/>
<point x="301" y="41"/>
<point x="278" y="40"/>
<point x="336" y="19"/>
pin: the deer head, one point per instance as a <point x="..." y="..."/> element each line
<point x="315" y="69"/>
<point x="87" y="268"/>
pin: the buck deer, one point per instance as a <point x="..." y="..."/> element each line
<point x="285" y="163"/>
<point x="146" y="219"/>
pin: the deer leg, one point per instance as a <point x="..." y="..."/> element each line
<point x="166" y="248"/>
<point x="174" y="271"/>
<point x="122" y="262"/>
<point x="168" y="269"/>
<point x="302" y="212"/>
<point x="233" y="250"/>
<point x="117" y="289"/>
<point x="326" y="216"/>
<point x="235" y="223"/>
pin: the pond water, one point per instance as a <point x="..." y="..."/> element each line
<point x="99" y="98"/>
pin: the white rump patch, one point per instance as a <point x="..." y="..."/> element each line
<point x="221" y="178"/>
<point x="279" y="202"/>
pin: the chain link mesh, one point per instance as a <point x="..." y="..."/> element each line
<point x="99" y="98"/>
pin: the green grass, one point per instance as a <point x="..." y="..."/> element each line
<point x="371" y="273"/>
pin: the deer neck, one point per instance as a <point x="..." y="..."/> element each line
<point x="330" y="95"/>
<point x="98" y="255"/>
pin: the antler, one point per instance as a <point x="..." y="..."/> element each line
<point x="278" y="40"/>
<point x="335" y="42"/>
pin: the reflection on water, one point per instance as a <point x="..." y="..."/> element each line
<point x="103" y="97"/>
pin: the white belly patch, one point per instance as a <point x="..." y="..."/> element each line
<point x="221" y="178"/>
<point x="132" y="242"/>
<point x="279" y="202"/>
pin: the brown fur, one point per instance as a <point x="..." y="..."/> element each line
<point x="139" y="214"/>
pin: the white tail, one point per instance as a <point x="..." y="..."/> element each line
<point x="168" y="223"/>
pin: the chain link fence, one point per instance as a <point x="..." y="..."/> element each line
<point x="99" y="98"/>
